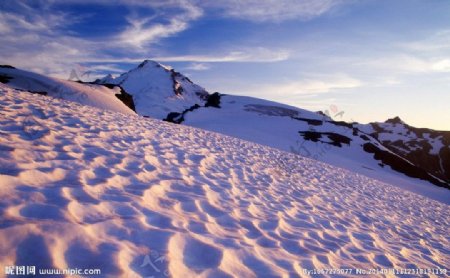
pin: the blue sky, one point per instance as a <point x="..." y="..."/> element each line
<point x="373" y="59"/>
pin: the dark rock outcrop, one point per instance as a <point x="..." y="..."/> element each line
<point x="5" y="78"/>
<point x="395" y="120"/>
<point x="335" y="138"/>
<point x="341" y="123"/>
<point x="415" y="146"/>
<point x="125" y="97"/>
<point x="178" y="118"/>
<point x="401" y="165"/>
<point x="309" y="121"/>
<point x="213" y="100"/>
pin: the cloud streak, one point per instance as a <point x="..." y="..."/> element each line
<point x="275" y="10"/>
<point x="314" y="86"/>
<point x="407" y="64"/>
<point x="302" y="89"/>
<point x="198" y="67"/>
<point x="137" y="34"/>
<point x="142" y="31"/>
<point x="255" y="55"/>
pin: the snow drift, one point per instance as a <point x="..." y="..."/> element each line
<point x="135" y="197"/>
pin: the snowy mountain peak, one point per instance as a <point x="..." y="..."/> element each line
<point x="105" y="80"/>
<point x="395" y="120"/>
<point x="153" y="64"/>
<point x="158" y="90"/>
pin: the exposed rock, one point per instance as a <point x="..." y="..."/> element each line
<point x="309" y="121"/>
<point x="178" y="118"/>
<point x="311" y="135"/>
<point x="395" y="120"/>
<point x="364" y="137"/>
<point x="174" y="117"/>
<point x="415" y="146"/>
<point x="401" y="165"/>
<point x="336" y="139"/>
<point x="341" y="123"/>
<point x="213" y="100"/>
<point x="5" y="78"/>
<point x="125" y="97"/>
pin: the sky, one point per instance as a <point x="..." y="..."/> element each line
<point x="371" y="59"/>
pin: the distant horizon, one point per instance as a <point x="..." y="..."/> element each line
<point x="371" y="60"/>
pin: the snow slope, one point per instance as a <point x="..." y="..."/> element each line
<point x="87" y="94"/>
<point x="308" y="134"/>
<point x="136" y="197"/>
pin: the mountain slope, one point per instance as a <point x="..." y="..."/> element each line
<point x="351" y="146"/>
<point x="313" y="135"/>
<point x="88" y="188"/>
<point x="88" y="94"/>
<point x="158" y="90"/>
<point x="427" y="148"/>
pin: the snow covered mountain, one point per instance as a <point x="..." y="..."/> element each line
<point x="87" y="188"/>
<point x="159" y="92"/>
<point x="429" y="149"/>
<point x="88" y="94"/>
<point x="162" y="93"/>
<point x="315" y="136"/>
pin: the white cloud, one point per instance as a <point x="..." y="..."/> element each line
<point x="437" y="41"/>
<point x="199" y="62"/>
<point x="302" y="89"/>
<point x="34" y="38"/>
<point x="407" y="64"/>
<point x="31" y="22"/>
<point x="198" y="66"/>
<point x="137" y="34"/>
<point x="275" y="10"/>
<point x="441" y="65"/>
<point x="31" y="39"/>
<point x="325" y="84"/>
<point x="256" y="54"/>
<point x="254" y="10"/>
<point x="427" y="55"/>
<point x="142" y="31"/>
<point x="108" y="68"/>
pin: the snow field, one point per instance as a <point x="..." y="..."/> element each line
<point x="86" y="188"/>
